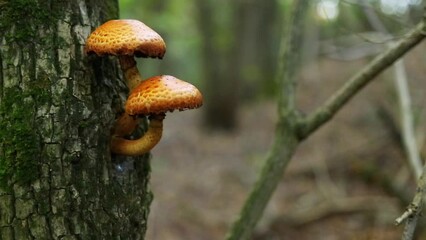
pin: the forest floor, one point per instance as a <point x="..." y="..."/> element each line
<point x="349" y="180"/>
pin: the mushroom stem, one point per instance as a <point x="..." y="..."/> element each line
<point x="130" y="71"/>
<point x="125" y="125"/>
<point x="142" y="145"/>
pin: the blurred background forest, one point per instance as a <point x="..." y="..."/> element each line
<point x="350" y="180"/>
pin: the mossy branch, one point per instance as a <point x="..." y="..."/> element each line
<point x="286" y="140"/>
<point x="361" y="79"/>
<point x="291" y="129"/>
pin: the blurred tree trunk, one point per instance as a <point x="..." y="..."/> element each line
<point x="238" y="45"/>
<point x="221" y="86"/>
<point x="257" y="31"/>
<point x="58" y="179"/>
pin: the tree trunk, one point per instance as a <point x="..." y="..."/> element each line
<point x="221" y="90"/>
<point x="58" y="178"/>
<point x="238" y="46"/>
<point x="256" y="32"/>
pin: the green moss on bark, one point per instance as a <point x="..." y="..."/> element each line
<point x="21" y="23"/>
<point x="19" y="144"/>
<point x="21" y="20"/>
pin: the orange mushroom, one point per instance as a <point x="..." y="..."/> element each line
<point x="154" y="97"/>
<point x="126" y="38"/>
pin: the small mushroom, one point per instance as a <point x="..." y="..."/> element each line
<point x="154" y="97"/>
<point x="126" y="38"/>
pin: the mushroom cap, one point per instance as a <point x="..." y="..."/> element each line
<point x="160" y="94"/>
<point x="125" y="37"/>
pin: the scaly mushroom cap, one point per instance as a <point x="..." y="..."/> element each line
<point x="160" y="94"/>
<point x="125" y="37"/>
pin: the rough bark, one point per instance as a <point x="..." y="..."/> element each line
<point x="57" y="106"/>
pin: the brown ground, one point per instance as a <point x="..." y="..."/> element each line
<point x="348" y="181"/>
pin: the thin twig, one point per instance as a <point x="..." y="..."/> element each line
<point x="359" y="80"/>
<point x="409" y="140"/>
<point x="414" y="209"/>
<point x="403" y="93"/>
<point x="409" y="212"/>
<point x="406" y="114"/>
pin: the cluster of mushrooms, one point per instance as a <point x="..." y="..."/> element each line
<point x="152" y="97"/>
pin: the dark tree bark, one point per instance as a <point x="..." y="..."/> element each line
<point x="58" y="178"/>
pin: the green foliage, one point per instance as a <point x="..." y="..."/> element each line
<point x="18" y="140"/>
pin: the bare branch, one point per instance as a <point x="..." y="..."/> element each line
<point x="406" y="114"/>
<point x="409" y="140"/>
<point x="414" y="209"/>
<point x="403" y="93"/>
<point x="359" y="80"/>
<point x="290" y="129"/>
